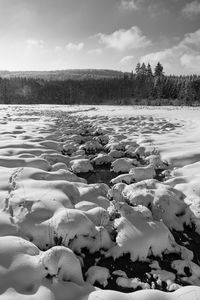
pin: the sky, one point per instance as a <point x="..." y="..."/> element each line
<point x="100" y="34"/>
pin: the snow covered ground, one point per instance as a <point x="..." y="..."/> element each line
<point x="98" y="202"/>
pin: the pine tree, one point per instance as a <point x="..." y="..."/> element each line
<point x="137" y="69"/>
<point x="143" y="69"/>
<point x="149" y="70"/>
<point x="158" y="72"/>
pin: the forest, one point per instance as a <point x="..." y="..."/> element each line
<point x="142" y="87"/>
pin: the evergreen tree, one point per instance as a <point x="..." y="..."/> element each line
<point x="143" y="69"/>
<point x="137" y="69"/>
<point x="149" y="70"/>
<point x="158" y="70"/>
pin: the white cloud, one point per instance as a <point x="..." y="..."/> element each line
<point x="154" y="57"/>
<point x="153" y="7"/>
<point x="31" y="43"/>
<point x="129" y="4"/>
<point x="185" y="54"/>
<point x="191" y="9"/>
<point x="95" y="51"/>
<point x="127" y="59"/>
<point x="191" y="61"/>
<point x="58" y="48"/>
<point x="124" y="39"/>
<point x="74" y="47"/>
<point x="192" y="39"/>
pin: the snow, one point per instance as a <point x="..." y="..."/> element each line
<point x="165" y="202"/>
<point x="181" y="265"/>
<point x="164" y="276"/>
<point x="142" y="173"/>
<point x="51" y="210"/>
<point x="81" y="165"/>
<point x="123" y="165"/>
<point x="131" y="283"/>
<point x="101" y="159"/>
<point x="99" y="274"/>
<point x="155" y="160"/>
<point x="140" y="238"/>
<point x="126" y="178"/>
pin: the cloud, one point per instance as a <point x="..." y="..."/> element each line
<point x="129" y="4"/>
<point x="74" y="47"/>
<point x="192" y="39"/>
<point x="155" y="57"/>
<point x="31" y="43"/>
<point x="191" y="61"/>
<point x="124" y="39"/>
<point x="127" y="59"/>
<point x="185" y="54"/>
<point x="58" y="48"/>
<point x="153" y="7"/>
<point x="95" y="51"/>
<point x="191" y="9"/>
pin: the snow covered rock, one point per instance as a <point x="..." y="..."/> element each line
<point x="123" y="165"/>
<point x="131" y="283"/>
<point x="102" y="159"/>
<point x="81" y="165"/>
<point x="100" y="240"/>
<point x="115" y="193"/>
<point x="181" y="266"/>
<point x="95" y="193"/>
<point x="141" y="237"/>
<point x="102" y="139"/>
<point x="126" y="178"/>
<point x="140" y="151"/>
<point x="143" y="173"/>
<point x="155" y="160"/>
<point x="70" y="147"/>
<point x="61" y="228"/>
<point x="165" y="202"/>
<point x="124" y="209"/>
<point x="91" y="146"/>
<point x="116" y="154"/>
<point x="98" y="215"/>
<point x="62" y="263"/>
<point x="165" y="276"/>
<point x="115" y="146"/>
<point x="68" y="223"/>
<point x="99" y="274"/>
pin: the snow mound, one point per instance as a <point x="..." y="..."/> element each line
<point x="165" y="202"/>
<point x="99" y="274"/>
<point x="141" y="238"/>
<point x="81" y="165"/>
<point x="123" y="165"/>
<point x="143" y="173"/>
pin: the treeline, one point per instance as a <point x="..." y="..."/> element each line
<point x="142" y="87"/>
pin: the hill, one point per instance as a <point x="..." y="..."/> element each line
<point x="76" y="74"/>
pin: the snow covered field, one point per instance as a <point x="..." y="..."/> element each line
<point x="98" y="202"/>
